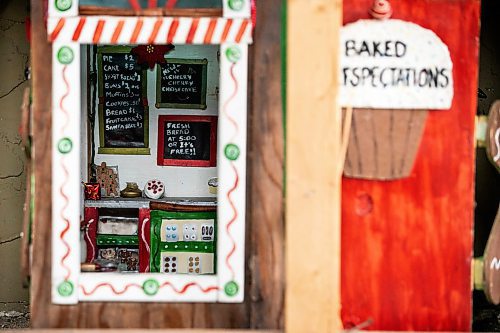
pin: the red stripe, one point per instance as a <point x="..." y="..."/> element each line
<point x="189" y="285"/>
<point x="226" y="30"/>
<point x="98" y="31"/>
<point x="171" y="4"/>
<point x="241" y="31"/>
<point x="137" y="31"/>
<point x="152" y="4"/>
<point x="117" y="291"/>
<point x="192" y="31"/>
<point x="210" y="31"/>
<point x="113" y="289"/>
<point x="57" y="29"/>
<point x="118" y="31"/>
<point x="253" y="13"/>
<point x="172" y="30"/>
<point x="135" y="4"/>
<point x="79" y="28"/>
<point x="155" y="31"/>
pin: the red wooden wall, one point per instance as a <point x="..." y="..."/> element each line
<point x="407" y="244"/>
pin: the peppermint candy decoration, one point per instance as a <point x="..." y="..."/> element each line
<point x="154" y="189"/>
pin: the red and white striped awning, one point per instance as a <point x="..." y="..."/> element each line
<point x="149" y="30"/>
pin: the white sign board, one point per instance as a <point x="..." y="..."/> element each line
<point x="393" y="64"/>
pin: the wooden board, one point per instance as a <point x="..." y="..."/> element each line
<point x="177" y="12"/>
<point x="265" y="279"/>
<point x="313" y="171"/>
<point x="407" y="244"/>
<point x="159" y="3"/>
<point x="144" y="331"/>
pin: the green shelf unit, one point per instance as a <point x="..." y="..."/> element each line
<point x="120" y="240"/>
<point x="158" y="246"/>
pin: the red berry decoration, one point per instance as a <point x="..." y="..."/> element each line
<point x="150" y="55"/>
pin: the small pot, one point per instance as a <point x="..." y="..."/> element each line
<point x="131" y="191"/>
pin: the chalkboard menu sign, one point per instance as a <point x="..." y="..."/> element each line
<point x="187" y="141"/>
<point x="123" y="109"/>
<point x="182" y="84"/>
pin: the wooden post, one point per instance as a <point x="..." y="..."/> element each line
<point x="313" y="177"/>
<point x="42" y="125"/>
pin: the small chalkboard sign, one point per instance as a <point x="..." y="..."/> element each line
<point x="182" y="84"/>
<point x="123" y="107"/>
<point x="187" y="141"/>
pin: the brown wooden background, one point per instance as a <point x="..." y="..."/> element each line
<point x="263" y="307"/>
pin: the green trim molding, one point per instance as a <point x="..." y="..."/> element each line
<point x="120" y="240"/>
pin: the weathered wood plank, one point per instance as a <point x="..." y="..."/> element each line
<point x="314" y="125"/>
<point x="407" y="244"/>
<point x="266" y="160"/>
<point x="178" y="12"/>
<point x="40" y="270"/>
<point x="144" y="331"/>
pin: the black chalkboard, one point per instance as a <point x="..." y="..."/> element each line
<point x="182" y="84"/>
<point x="187" y="140"/>
<point x="191" y="140"/>
<point x="123" y="106"/>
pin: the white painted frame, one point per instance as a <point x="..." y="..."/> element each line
<point x="233" y="32"/>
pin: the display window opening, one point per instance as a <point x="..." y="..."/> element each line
<point x="152" y="139"/>
<point x="149" y="159"/>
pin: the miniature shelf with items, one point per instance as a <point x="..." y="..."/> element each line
<point x="115" y="240"/>
<point x="157" y="134"/>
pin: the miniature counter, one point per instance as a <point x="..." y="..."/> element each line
<point x="146" y="202"/>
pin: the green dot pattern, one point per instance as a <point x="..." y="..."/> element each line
<point x="65" y="289"/>
<point x="233" y="54"/>
<point x="231" y="288"/>
<point x="65" y="145"/>
<point x="65" y="55"/>
<point x="63" y="5"/>
<point x="236" y="5"/>
<point x="151" y="287"/>
<point x="232" y="152"/>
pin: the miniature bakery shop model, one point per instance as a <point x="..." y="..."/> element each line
<point x="392" y="73"/>
<point x="150" y="115"/>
